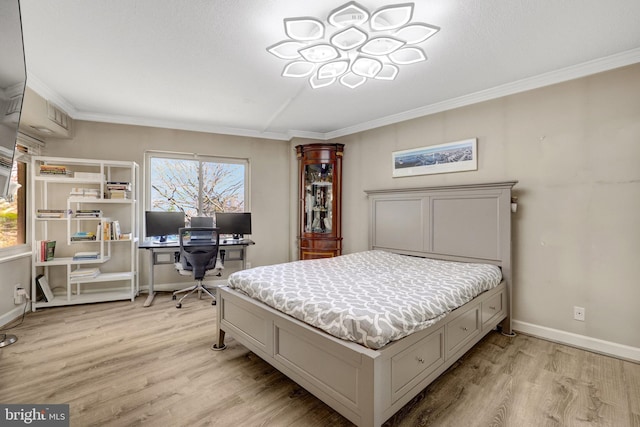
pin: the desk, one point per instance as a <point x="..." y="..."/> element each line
<point x="165" y="253"/>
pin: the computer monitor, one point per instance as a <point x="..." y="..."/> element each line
<point x="201" y="221"/>
<point x="163" y="224"/>
<point x="235" y="223"/>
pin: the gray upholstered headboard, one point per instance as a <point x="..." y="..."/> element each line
<point x="469" y="223"/>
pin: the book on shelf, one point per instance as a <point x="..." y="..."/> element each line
<point x="57" y="170"/>
<point x="118" y="185"/>
<point x="81" y="236"/>
<point x="43" y="285"/>
<point x="85" y="273"/>
<point x="116" y="234"/>
<point x="88" y="213"/>
<point x="118" y="189"/>
<point x="80" y="256"/>
<point x="109" y="230"/>
<point x="51" y="213"/>
<point x="45" y="250"/>
<point x="49" y="250"/>
<point x="106" y="230"/>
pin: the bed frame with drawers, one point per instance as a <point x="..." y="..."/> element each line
<point x="468" y="223"/>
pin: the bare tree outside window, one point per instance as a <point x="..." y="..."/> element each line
<point x="12" y="209"/>
<point x="196" y="187"/>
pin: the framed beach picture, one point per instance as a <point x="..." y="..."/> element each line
<point x="443" y="158"/>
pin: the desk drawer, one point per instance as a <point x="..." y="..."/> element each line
<point x="462" y="328"/>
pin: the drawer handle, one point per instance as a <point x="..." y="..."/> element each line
<point x="420" y="359"/>
<point x="464" y="328"/>
<point x="492" y="307"/>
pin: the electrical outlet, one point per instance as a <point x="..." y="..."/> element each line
<point x="18" y="298"/>
<point x="578" y="313"/>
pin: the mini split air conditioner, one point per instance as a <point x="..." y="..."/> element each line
<point x="41" y="118"/>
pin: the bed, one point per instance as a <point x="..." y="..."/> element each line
<point x="368" y="382"/>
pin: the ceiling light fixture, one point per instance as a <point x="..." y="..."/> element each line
<point x="352" y="45"/>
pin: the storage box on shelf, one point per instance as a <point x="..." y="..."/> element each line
<point x="90" y="209"/>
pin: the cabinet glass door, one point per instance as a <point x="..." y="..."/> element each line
<point x="318" y="184"/>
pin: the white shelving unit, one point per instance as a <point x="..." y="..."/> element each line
<point x="117" y="258"/>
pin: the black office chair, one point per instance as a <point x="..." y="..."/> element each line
<point x="198" y="257"/>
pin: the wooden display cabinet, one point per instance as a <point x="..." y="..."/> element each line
<point x="320" y="190"/>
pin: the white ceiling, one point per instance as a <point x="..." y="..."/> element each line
<point x="203" y="65"/>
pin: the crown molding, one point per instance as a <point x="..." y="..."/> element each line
<point x="558" y="76"/>
<point x="50" y="95"/>
<point x="565" y="74"/>
<point x="308" y="135"/>
<point x="179" y="125"/>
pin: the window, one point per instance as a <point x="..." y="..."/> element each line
<point x="197" y="185"/>
<point x="13" y="219"/>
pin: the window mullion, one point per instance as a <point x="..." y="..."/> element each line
<point x="200" y="188"/>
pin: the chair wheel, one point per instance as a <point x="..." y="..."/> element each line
<point x="213" y="303"/>
<point x="173" y="297"/>
<point x="178" y="305"/>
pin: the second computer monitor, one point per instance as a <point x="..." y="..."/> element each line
<point x="234" y="223"/>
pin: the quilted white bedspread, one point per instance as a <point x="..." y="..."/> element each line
<point x="371" y="297"/>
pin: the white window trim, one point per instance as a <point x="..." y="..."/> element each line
<point x="148" y="155"/>
<point x="34" y="147"/>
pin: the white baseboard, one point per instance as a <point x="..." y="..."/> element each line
<point x="568" y="338"/>
<point x="620" y="351"/>
<point x="14" y="314"/>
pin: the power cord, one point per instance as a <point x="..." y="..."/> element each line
<point x="6" y="339"/>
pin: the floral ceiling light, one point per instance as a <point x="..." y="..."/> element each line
<point x="352" y="45"/>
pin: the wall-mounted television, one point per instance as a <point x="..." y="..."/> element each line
<point x="161" y="225"/>
<point x="234" y="223"/>
<point x="13" y="78"/>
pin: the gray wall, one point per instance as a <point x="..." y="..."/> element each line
<point x="13" y="272"/>
<point x="269" y="179"/>
<point x="575" y="150"/>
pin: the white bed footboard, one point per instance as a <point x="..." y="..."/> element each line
<point x="365" y="386"/>
<point x="468" y="223"/>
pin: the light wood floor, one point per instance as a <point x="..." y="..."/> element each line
<point x="120" y="364"/>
